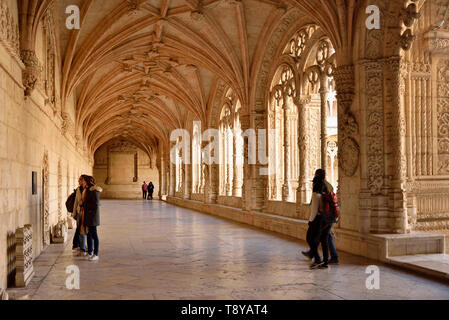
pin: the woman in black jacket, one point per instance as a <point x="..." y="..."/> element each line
<point x="91" y="205"/>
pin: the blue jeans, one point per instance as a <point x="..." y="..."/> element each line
<point x="79" y="240"/>
<point x="332" y="247"/>
<point x="92" y="240"/>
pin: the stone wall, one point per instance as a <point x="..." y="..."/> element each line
<point x="117" y="164"/>
<point x="30" y="132"/>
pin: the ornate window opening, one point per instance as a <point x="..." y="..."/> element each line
<point x="302" y="117"/>
<point x="283" y="137"/>
<point x="179" y="167"/>
<point x="231" y="148"/>
<point x="197" y="181"/>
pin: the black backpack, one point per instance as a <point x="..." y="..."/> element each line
<point x="70" y="203"/>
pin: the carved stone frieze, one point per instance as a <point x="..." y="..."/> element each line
<point x="443" y="116"/>
<point x="9" y="30"/>
<point x="375" y="125"/>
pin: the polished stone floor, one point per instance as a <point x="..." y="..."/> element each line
<point x="153" y="250"/>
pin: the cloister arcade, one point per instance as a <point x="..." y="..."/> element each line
<point x="294" y="85"/>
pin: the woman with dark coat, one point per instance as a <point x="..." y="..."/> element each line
<point x="91" y="205"/>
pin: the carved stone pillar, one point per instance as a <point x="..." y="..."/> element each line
<point x="301" y="192"/>
<point x="24" y="255"/>
<point x="258" y="171"/>
<point x="237" y="182"/>
<point x="286" y="184"/>
<point x="397" y="164"/>
<point x="160" y="168"/>
<point x="324" y="90"/>
<point x="229" y="161"/>
<point x="172" y="186"/>
<point x="188" y="181"/>
<point x="210" y="177"/>
<point x="246" y="187"/>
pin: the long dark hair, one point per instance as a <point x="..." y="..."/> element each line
<point x="89" y="180"/>
<point x="319" y="186"/>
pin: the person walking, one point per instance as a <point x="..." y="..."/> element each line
<point x="91" y="205"/>
<point x="79" y="240"/>
<point x="320" y="227"/>
<point x="144" y="190"/>
<point x="314" y="227"/>
<point x="150" y="190"/>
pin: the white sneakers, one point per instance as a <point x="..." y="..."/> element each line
<point x="92" y="257"/>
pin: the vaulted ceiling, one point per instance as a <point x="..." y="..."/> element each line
<point x="140" y="68"/>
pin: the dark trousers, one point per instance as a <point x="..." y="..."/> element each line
<point x="320" y="235"/>
<point x="76" y="237"/>
<point x="150" y="195"/>
<point x="144" y="194"/>
<point x="92" y="240"/>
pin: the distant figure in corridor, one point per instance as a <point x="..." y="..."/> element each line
<point x="79" y="240"/>
<point x="150" y="191"/>
<point x="91" y="205"/>
<point x="144" y="190"/>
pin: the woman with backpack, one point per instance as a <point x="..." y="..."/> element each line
<point x="79" y="240"/>
<point x="320" y="228"/>
<point x="91" y="206"/>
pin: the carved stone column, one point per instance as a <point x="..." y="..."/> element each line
<point x="246" y="187"/>
<point x="210" y="177"/>
<point x="229" y="161"/>
<point x="286" y="184"/>
<point x="324" y="90"/>
<point x="237" y="149"/>
<point x="160" y="168"/>
<point x="301" y="192"/>
<point x="172" y="186"/>
<point x="397" y="164"/>
<point x="259" y="171"/>
<point x="188" y="181"/>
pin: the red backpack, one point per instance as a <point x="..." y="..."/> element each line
<point x="331" y="210"/>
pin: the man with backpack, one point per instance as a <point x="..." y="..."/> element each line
<point x="324" y="213"/>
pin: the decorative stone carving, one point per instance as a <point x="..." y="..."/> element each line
<point x="133" y="6"/>
<point x="443" y="116"/>
<point x="50" y="70"/>
<point x="59" y="234"/>
<point x="375" y="125"/>
<point x="299" y="41"/>
<point x="46" y="198"/>
<point x="9" y="31"/>
<point x="269" y="56"/>
<point x="348" y="126"/>
<point x="67" y="124"/>
<point x="24" y="255"/>
<point x="31" y="73"/>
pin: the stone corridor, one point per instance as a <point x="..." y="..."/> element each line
<point x="154" y="250"/>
